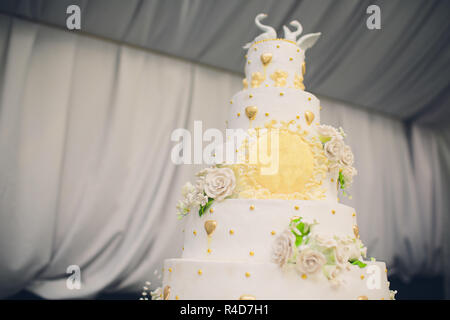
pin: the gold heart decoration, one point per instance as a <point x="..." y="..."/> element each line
<point x="251" y="112"/>
<point x="210" y="226"/>
<point x="166" y="293"/>
<point x="309" y="116"/>
<point x="266" y="58"/>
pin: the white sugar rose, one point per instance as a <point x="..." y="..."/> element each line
<point x="348" y="173"/>
<point x="310" y="261"/>
<point x="346" y="157"/>
<point x="283" y="247"/>
<point x="334" y="148"/>
<point x="348" y="252"/>
<point x="326" y="132"/>
<point x="219" y="183"/>
<point x="325" y="240"/>
<point x="157" y="294"/>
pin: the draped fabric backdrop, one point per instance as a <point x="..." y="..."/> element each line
<point x="86" y="176"/>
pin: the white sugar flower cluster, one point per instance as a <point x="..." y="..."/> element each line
<point x="212" y="183"/>
<point x="156" y="294"/>
<point x="317" y="252"/>
<point x="338" y="153"/>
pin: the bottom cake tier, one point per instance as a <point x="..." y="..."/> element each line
<point x="191" y="279"/>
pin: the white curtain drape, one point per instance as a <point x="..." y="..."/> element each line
<point x="86" y="177"/>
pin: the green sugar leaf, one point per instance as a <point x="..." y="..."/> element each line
<point x="358" y="263"/>
<point x="204" y="208"/>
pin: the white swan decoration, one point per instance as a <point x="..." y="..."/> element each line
<point x="269" y="32"/>
<point x="308" y="40"/>
<point x="292" y="36"/>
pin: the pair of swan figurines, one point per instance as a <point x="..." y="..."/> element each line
<point x="305" y="42"/>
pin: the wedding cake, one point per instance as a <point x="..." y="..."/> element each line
<point x="275" y="229"/>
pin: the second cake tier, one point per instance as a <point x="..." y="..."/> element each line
<point x="245" y="229"/>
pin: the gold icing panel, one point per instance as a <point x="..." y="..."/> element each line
<point x="302" y="165"/>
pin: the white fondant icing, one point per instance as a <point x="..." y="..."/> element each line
<point x="226" y="280"/>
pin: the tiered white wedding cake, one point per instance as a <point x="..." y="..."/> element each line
<point x="282" y="233"/>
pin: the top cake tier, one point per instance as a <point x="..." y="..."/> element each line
<point x="274" y="63"/>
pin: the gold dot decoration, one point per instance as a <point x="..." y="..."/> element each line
<point x="255" y="48"/>
<point x="362" y="298"/>
<point x="251" y="112"/>
<point x="231" y="101"/>
<point x="231" y="231"/>
<point x="273" y="233"/>
<point x="353" y="214"/>
<point x="362" y="277"/>
<point x="170" y="269"/>
<point x="332" y="180"/>
<point x="251" y="253"/>
<point x="209" y="250"/>
<point x="247" y="274"/>
<point x="309" y="117"/>
<point x="304" y="276"/>
<point x="278" y="46"/>
<point x="238" y="114"/>
<point x="211" y="210"/>
<point x="177" y="298"/>
<point x="320" y="108"/>
<point x="210" y="226"/>
<point x="385" y="270"/>
<point x="200" y="272"/>
<point x="281" y="94"/>
<point x="267" y="114"/>
<point x="249" y="62"/>
<point x="166" y="292"/>
<point x="250" y="96"/>
<point x="298" y="50"/>
<point x="309" y="98"/>
<point x="266" y="58"/>
<point x="290" y="59"/>
<point x="252" y="207"/>
<point x="356" y="230"/>
<point x="333" y="211"/>
<point x="194" y="232"/>
<point x="182" y="248"/>
<point x="298" y="117"/>
<point x="296" y="207"/>
<point x="247" y="297"/>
